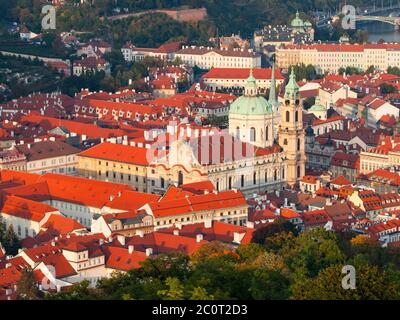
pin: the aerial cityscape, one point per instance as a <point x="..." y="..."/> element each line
<point x="199" y="150"/>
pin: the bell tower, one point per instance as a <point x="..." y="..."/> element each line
<point x="291" y="132"/>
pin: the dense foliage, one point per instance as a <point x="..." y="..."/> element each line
<point x="226" y="16"/>
<point x="9" y="239"/>
<point x="281" y="265"/>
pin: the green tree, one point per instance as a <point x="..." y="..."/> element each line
<point x="261" y="235"/>
<point x="387" y="88"/>
<point x="27" y="286"/>
<point x="269" y="285"/>
<point x="199" y="293"/>
<point x="174" y="291"/>
<point x="11" y="242"/>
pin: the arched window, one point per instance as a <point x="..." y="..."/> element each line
<point x="252" y="134"/>
<point x="266" y="133"/>
<point x="266" y="176"/>
<point x="287" y="116"/>
<point x="296" y="116"/>
<point x="242" y="180"/>
<point x="254" y="178"/>
<point x="217" y="185"/>
<point x="230" y="183"/>
<point x="162" y="182"/>
<point x="237" y="133"/>
<point x="298" y="145"/>
<point x="285" y="142"/>
<point x="298" y="171"/>
<point x="275" y="175"/>
<point x="283" y="173"/>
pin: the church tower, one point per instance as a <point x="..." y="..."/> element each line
<point x="291" y="133"/>
<point x="273" y="101"/>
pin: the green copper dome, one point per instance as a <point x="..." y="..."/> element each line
<point x="317" y="106"/>
<point x="250" y="103"/>
<point x="297" y="22"/>
<point x="250" y="106"/>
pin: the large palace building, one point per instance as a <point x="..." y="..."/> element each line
<point x="332" y="57"/>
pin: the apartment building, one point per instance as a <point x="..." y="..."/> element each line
<point x="49" y="156"/>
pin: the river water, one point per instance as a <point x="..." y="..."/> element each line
<point x="378" y="31"/>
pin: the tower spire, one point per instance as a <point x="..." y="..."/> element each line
<point x="272" y="90"/>
<point x="292" y="88"/>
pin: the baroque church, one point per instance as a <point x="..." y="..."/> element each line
<point x="274" y="131"/>
<point x="262" y="122"/>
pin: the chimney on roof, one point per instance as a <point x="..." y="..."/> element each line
<point x="53" y="243"/>
<point x="140" y="233"/>
<point x="121" y="239"/>
<point x="149" y="252"/>
<point x="131" y="248"/>
<point x="237" y="237"/>
<point x="176" y="232"/>
<point x="250" y="224"/>
<point x="110" y="239"/>
<point x="101" y="241"/>
<point x="208" y="224"/>
<point x="199" y="237"/>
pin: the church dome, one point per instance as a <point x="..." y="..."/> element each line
<point x="317" y="106"/>
<point x="250" y="106"/>
<point x="297" y="22"/>
<point x="250" y="103"/>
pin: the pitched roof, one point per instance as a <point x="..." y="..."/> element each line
<point x="25" y="209"/>
<point x="217" y="231"/>
<point x="62" y="224"/>
<point x="46" y="149"/>
<point x="165" y="243"/>
<point x="120" y="259"/>
<point x="242" y="73"/>
<point x="118" y="153"/>
<point x="196" y="203"/>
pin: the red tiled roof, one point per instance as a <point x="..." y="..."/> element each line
<point x="120" y="259"/>
<point x="165" y="243"/>
<point x="63" y="225"/>
<point x="25" y="209"/>
<point x="218" y="231"/>
<point x="118" y="153"/>
<point x="211" y="201"/>
<point x="242" y="73"/>
<point x="341" y="181"/>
